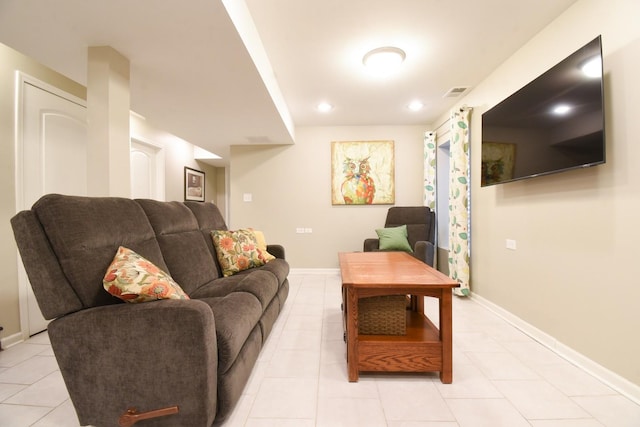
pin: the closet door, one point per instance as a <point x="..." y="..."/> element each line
<point x="52" y="158"/>
<point x="147" y="170"/>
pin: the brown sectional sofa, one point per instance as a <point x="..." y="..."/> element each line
<point x="195" y="354"/>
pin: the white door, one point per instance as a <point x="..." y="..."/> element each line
<point x="147" y="170"/>
<point x="52" y="158"/>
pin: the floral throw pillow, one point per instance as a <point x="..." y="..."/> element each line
<point x="262" y="244"/>
<point x="133" y="278"/>
<point x="237" y="250"/>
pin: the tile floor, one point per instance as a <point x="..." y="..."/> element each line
<point x="501" y="378"/>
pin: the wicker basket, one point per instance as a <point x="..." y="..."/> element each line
<point x="384" y="315"/>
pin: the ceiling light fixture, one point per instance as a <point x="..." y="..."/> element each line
<point x="415" y="105"/>
<point x="384" y="60"/>
<point x="324" y="107"/>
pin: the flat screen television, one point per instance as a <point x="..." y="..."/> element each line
<point x="553" y="124"/>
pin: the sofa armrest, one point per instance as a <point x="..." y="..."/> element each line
<point x="149" y="356"/>
<point x="276" y="250"/>
<point x="425" y="252"/>
<point x="371" y="245"/>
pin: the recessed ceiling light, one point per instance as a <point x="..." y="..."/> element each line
<point x="384" y="60"/>
<point x="324" y="107"/>
<point x="415" y="105"/>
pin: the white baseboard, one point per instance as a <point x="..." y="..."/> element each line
<point x="610" y="378"/>
<point x="11" y="340"/>
<point x="313" y="271"/>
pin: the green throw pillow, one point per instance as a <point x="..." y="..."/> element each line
<point x="394" y="239"/>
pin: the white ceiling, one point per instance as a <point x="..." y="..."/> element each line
<point x="193" y="76"/>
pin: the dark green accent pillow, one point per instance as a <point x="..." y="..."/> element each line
<point x="393" y="239"/>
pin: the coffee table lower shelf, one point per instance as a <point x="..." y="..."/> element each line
<point x="420" y="350"/>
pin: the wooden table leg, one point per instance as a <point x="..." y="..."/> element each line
<point x="420" y="304"/>
<point x="446" y="337"/>
<point x="352" y="335"/>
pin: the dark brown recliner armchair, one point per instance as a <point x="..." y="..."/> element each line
<point x="421" y="230"/>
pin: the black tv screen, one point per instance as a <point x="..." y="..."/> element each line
<point x="555" y="123"/>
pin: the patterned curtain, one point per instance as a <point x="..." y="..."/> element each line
<point x="459" y="200"/>
<point x="430" y="170"/>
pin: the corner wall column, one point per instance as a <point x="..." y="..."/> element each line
<point x="108" y="105"/>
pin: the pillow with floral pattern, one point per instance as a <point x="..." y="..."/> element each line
<point x="238" y="250"/>
<point x="262" y="244"/>
<point x="133" y="278"/>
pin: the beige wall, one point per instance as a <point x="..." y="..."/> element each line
<point x="178" y="153"/>
<point x="221" y="183"/>
<point x="10" y="62"/>
<point x="576" y="232"/>
<point x="291" y="187"/>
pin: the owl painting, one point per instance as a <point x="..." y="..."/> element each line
<point x="362" y="173"/>
<point x="358" y="187"/>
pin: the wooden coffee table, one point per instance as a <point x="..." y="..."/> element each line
<point x="424" y="348"/>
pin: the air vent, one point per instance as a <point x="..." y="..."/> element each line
<point x="455" y="91"/>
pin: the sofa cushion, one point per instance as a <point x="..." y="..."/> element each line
<point x="208" y="216"/>
<point x="85" y="232"/>
<point x="278" y="267"/>
<point x="236" y="315"/>
<point x="133" y="278"/>
<point x="261" y="284"/>
<point x="185" y="251"/>
<point x="237" y="250"/>
<point x="394" y="239"/>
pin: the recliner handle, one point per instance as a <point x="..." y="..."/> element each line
<point x="132" y="416"/>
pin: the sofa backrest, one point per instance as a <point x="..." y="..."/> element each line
<point x="67" y="243"/>
<point x="83" y="235"/>
<point x="184" y="247"/>
<point x="209" y="218"/>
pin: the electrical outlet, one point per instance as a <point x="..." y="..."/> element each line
<point x="300" y="230"/>
<point x="308" y="230"/>
<point x="511" y="244"/>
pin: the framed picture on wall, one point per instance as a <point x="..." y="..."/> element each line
<point x="193" y="185"/>
<point x="362" y="173"/>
